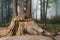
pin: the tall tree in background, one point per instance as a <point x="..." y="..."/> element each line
<point x="2" y="10"/>
<point x="41" y="9"/>
<point x="28" y="9"/>
<point x="8" y="10"/>
<point x="45" y="6"/>
<point x="15" y="8"/>
<point x="56" y="9"/>
<point x="46" y="12"/>
<point x="36" y="8"/>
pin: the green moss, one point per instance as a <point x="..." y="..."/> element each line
<point x="51" y="27"/>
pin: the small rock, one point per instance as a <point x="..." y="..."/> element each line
<point x="58" y="33"/>
<point x="57" y="37"/>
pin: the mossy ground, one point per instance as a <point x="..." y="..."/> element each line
<point x="51" y="27"/>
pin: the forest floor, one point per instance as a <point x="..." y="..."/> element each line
<point x="26" y="37"/>
<point x="30" y="37"/>
<point x="50" y="27"/>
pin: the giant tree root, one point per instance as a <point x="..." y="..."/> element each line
<point x="25" y="27"/>
<point x="28" y="26"/>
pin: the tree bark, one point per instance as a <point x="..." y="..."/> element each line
<point x="21" y="10"/>
<point x="15" y="8"/>
<point x="28" y="9"/>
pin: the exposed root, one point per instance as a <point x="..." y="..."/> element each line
<point x="28" y="26"/>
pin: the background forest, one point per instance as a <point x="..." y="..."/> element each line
<point x="48" y="17"/>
